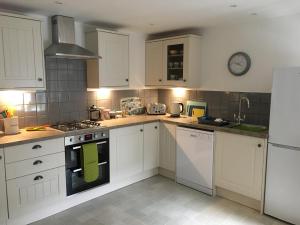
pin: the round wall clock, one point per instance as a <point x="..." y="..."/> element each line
<point x="239" y="63"/>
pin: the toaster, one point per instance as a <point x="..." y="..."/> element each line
<point x="156" y="109"/>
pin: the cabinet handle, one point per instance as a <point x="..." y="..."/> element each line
<point x="40" y="79"/>
<point x="141" y="130"/>
<point x="155" y="127"/>
<point x="193" y="135"/>
<point x="36" y="147"/>
<point x="184" y="80"/>
<point x="38" y="178"/>
<point x="259" y="145"/>
<point x="37" y="162"/>
<point x="160" y="80"/>
<point x="0" y="157"/>
<point x="127" y="80"/>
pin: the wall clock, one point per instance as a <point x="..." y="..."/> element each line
<point x="239" y="63"/>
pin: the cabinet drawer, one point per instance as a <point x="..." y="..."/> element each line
<point x="30" y="193"/>
<point x="33" y="150"/>
<point x="35" y="165"/>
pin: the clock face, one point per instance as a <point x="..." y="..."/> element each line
<point x="239" y="63"/>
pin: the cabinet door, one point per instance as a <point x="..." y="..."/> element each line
<point x="151" y="145"/>
<point x="29" y="193"/>
<point x="175" y="61"/>
<point x="22" y="53"/>
<point x="126" y="152"/>
<point x="240" y="164"/>
<point x="114" y="65"/>
<point x="154" y="63"/>
<point x="167" y="149"/>
<point x="3" y="200"/>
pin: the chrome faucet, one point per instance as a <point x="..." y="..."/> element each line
<point x="239" y="118"/>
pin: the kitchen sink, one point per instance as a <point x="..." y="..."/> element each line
<point x="248" y="127"/>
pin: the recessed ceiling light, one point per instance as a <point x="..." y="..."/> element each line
<point x="233" y="5"/>
<point x="58" y="2"/>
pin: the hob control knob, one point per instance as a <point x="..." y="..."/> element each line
<point x="103" y="135"/>
<point x="71" y="139"/>
<point x="95" y="135"/>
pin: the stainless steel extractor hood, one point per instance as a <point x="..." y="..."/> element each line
<point x="63" y="41"/>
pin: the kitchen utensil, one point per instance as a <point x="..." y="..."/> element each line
<point x="176" y="108"/>
<point x="94" y="113"/>
<point x="156" y="109"/>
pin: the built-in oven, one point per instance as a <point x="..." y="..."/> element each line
<point x="74" y="171"/>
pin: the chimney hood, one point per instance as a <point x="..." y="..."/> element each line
<point x="63" y="38"/>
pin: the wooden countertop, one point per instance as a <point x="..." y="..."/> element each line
<point x="31" y="136"/>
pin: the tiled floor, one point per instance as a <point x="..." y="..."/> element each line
<point x="158" y="201"/>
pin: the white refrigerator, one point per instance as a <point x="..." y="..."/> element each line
<point x="282" y="196"/>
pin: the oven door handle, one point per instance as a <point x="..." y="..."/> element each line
<point x="98" y="143"/>
<point x="80" y="169"/>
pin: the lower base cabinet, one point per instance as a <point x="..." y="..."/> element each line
<point x="3" y="200"/>
<point x="126" y="152"/>
<point x="151" y="145"/>
<point x="167" y="148"/>
<point x="30" y="193"/>
<point x="240" y="164"/>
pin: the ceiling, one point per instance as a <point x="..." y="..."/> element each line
<point x="151" y="16"/>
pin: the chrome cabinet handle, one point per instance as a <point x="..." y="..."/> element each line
<point x="36" y="147"/>
<point x="37" y="162"/>
<point x="38" y="178"/>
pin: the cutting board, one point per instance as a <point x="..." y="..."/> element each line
<point x="196" y="106"/>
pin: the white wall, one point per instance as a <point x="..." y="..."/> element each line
<point x="272" y="43"/>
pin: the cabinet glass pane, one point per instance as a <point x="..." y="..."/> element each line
<point x="175" y="62"/>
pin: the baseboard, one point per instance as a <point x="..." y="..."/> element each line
<point x="74" y="200"/>
<point x="166" y="173"/>
<point x="241" y="199"/>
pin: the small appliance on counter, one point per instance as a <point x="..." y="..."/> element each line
<point x="156" y="109"/>
<point x="94" y="113"/>
<point x="176" y="108"/>
<point x="208" y="120"/>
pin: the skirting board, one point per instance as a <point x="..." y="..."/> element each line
<point x="79" y="198"/>
<point x="243" y="200"/>
<point x="166" y="173"/>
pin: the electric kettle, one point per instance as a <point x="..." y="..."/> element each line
<point x="176" y="108"/>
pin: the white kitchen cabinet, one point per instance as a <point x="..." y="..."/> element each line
<point x="3" y="200"/>
<point x="30" y="193"/>
<point x="167" y="147"/>
<point x="21" y="53"/>
<point x="126" y="152"/>
<point x="112" y="70"/>
<point x="154" y="63"/>
<point x="151" y="145"/>
<point x="176" y="60"/>
<point x="240" y="163"/>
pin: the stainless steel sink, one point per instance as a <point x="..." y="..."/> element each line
<point x="248" y="127"/>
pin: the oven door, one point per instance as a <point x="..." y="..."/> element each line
<point x="74" y="172"/>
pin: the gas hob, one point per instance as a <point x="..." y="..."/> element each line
<point x="76" y="125"/>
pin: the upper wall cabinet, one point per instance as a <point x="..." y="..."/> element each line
<point x="112" y="69"/>
<point x="173" y="61"/>
<point x="21" y="53"/>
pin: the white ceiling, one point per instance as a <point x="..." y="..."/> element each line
<point x="158" y="15"/>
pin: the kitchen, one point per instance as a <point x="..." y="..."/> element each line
<point x="109" y="119"/>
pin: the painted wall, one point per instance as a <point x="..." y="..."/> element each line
<point x="271" y="43"/>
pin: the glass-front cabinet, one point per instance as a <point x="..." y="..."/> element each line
<point x="173" y="61"/>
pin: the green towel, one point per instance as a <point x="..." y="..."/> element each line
<point x="89" y="161"/>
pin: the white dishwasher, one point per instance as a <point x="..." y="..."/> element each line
<point x="194" y="159"/>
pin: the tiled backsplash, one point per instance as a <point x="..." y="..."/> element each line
<point x="225" y="104"/>
<point x="66" y="98"/>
